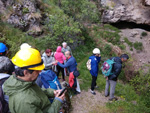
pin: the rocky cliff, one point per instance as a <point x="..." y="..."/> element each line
<point x="23" y="14"/>
<point x="137" y="11"/>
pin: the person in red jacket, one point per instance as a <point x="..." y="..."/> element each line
<point x="59" y="56"/>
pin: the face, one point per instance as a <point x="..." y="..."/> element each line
<point x="48" y="54"/>
<point x="97" y="55"/>
<point x="31" y="76"/>
<point x="64" y="45"/>
<point x="124" y="60"/>
<point x="66" y="55"/>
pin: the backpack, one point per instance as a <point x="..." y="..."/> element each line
<point x="3" y="104"/>
<point x="88" y="64"/>
<point x="72" y="80"/>
<point x="50" y="80"/>
<point x="107" y="67"/>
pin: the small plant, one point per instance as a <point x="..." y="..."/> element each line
<point x="131" y="49"/>
<point x="25" y="10"/>
<point x="128" y="42"/>
<point x="138" y="45"/>
<point x="144" y="34"/>
<point x="123" y="47"/>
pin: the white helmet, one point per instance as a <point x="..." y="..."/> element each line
<point x="25" y="46"/>
<point x="96" y="51"/>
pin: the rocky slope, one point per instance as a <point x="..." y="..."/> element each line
<point x="137" y="11"/>
<point x="24" y="14"/>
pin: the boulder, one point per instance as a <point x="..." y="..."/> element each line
<point x="22" y="14"/>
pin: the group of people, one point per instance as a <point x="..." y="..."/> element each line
<point x="111" y="80"/>
<point x="18" y="76"/>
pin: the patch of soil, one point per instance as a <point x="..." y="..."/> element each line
<point x="85" y="102"/>
<point x="140" y="57"/>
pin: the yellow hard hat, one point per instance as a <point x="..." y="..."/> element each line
<point x="28" y="58"/>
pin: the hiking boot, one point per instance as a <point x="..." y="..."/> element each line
<point x="93" y="92"/>
<point x="113" y="99"/>
<point x="96" y="87"/>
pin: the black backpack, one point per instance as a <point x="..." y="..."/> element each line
<point x="3" y="104"/>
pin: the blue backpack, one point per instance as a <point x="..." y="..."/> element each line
<point x="50" y="80"/>
<point x="107" y="67"/>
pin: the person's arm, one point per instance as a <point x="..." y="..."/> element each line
<point x="64" y="58"/>
<point x="117" y="70"/>
<point x="67" y="64"/>
<point x="31" y="107"/>
<point x="98" y="59"/>
<point x="49" y="92"/>
<point x="69" y="49"/>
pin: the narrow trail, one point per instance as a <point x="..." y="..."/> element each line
<point x="88" y="103"/>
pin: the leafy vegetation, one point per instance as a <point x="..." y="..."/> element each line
<point x="138" y="45"/>
<point x="144" y="34"/>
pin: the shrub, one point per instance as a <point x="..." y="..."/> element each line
<point x="138" y="45"/>
<point x="144" y="34"/>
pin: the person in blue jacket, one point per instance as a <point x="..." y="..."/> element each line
<point x="95" y="60"/>
<point x="71" y="65"/>
<point x="111" y="80"/>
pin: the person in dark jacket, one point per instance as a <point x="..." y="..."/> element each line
<point x="111" y="80"/>
<point x="95" y="60"/>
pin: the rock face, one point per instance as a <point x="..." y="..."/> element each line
<point x="137" y="11"/>
<point x="22" y="14"/>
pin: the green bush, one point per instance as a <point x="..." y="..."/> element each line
<point x="138" y="45"/>
<point x="81" y="10"/>
<point x="13" y="38"/>
<point x="144" y="34"/>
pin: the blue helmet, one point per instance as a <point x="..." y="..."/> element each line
<point x="3" y="48"/>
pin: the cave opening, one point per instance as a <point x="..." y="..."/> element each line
<point x="130" y="25"/>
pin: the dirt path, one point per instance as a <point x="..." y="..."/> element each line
<point x="88" y="103"/>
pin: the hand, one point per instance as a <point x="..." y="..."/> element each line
<point x="106" y="78"/>
<point x="56" y="61"/>
<point x="62" y="96"/>
<point x="99" y="55"/>
<point x="56" y="92"/>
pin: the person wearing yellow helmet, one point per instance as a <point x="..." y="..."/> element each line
<point x="24" y="95"/>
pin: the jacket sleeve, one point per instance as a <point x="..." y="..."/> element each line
<point x="49" y="92"/>
<point x="45" y="63"/>
<point x="31" y="107"/>
<point x="98" y="59"/>
<point x="116" y="70"/>
<point x="67" y="64"/>
<point x="64" y="58"/>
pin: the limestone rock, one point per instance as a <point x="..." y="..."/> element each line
<point x="147" y="2"/>
<point x="127" y="10"/>
<point x="22" y="14"/>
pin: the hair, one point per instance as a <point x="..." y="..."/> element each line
<point x="124" y="56"/>
<point x="48" y="50"/>
<point x="64" y="43"/>
<point x="20" y="72"/>
<point x="6" y="66"/>
<point x="68" y="52"/>
<point x="3" y="54"/>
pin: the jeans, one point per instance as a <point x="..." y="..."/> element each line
<point x="112" y="85"/>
